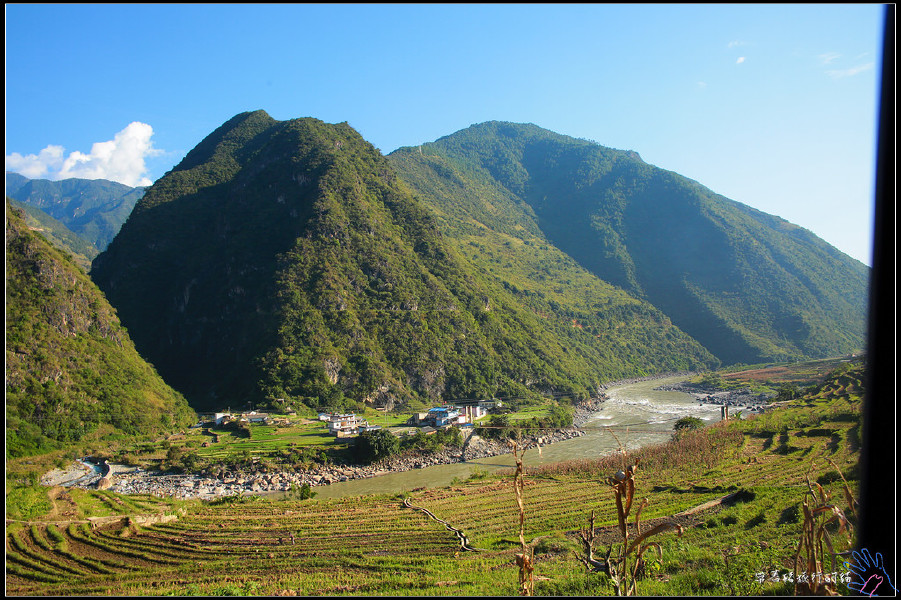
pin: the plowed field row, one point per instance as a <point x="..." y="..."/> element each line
<point x="89" y="559"/>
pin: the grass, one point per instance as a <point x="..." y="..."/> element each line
<point x="372" y="545"/>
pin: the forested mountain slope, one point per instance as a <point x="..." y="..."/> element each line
<point x="285" y="260"/>
<point x="92" y="208"/>
<point x="749" y="286"/>
<point x="71" y="370"/>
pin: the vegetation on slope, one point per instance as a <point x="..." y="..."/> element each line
<point x="497" y="232"/>
<point x="71" y="369"/>
<point x="736" y="488"/>
<point x="749" y="286"/>
<point x="285" y="261"/>
<point x="82" y="251"/>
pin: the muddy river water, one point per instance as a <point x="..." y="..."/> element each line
<point x="636" y="414"/>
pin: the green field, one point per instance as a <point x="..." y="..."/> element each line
<point x="374" y="545"/>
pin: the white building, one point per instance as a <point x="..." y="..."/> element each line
<point x="344" y="424"/>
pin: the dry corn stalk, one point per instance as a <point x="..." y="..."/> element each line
<point x="622" y="572"/>
<point x="523" y="559"/>
<point x="816" y="543"/>
<point x="849" y="497"/>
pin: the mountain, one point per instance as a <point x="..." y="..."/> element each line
<point x="92" y="208"/>
<point x="60" y="236"/>
<point x="72" y="372"/>
<point x="749" y="286"/>
<point x="285" y="260"/>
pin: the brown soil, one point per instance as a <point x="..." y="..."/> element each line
<point x="64" y="508"/>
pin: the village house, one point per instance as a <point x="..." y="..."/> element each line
<point x="255" y="417"/>
<point x="221" y="418"/>
<point x="473" y="411"/>
<point x="344" y="425"/>
<point x="446" y="416"/>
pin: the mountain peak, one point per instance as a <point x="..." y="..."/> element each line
<point x="742" y="283"/>
<point x="290" y="262"/>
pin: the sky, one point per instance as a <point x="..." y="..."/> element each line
<point x="771" y="105"/>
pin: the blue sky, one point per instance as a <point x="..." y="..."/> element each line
<point x="771" y="105"/>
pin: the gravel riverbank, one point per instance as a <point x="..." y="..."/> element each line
<point x="741" y="398"/>
<point x="131" y="480"/>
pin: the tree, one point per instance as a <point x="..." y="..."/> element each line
<point x="376" y="445"/>
<point x="787" y="391"/>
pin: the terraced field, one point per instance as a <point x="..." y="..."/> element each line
<point x="213" y="545"/>
<point x="735" y="487"/>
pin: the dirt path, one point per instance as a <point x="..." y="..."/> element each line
<point x="464" y="542"/>
<point x="63" y="507"/>
<point x="687" y="518"/>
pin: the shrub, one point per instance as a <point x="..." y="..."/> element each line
<point x="688" y="423"/>
<point x="303" y="492"/>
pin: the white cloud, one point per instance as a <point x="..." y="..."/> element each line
<point x="120" y="159"/>
<point x="839" y="73"/>
<point x="735" y="43"/>
<point x="829" y="57"/>
<point x="36" y="166"/>
<point x="702" y="84"/>
<point x="740" y="60"/>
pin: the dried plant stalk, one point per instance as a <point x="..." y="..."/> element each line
<point x="523" y="559"/>
<point x="816" y="543"/>
<point x="623" y="572"/>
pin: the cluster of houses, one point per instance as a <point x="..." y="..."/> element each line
<point x="349" y="424"/>
<point x="346" y="425"/>
<point x="446" y="416"/>
<point x="222" y="418"/>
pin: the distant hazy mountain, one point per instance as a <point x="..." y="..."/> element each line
<point x="749" y="286"/>
<point x="71" y="369"/>
<point x="63" y="238"/>
<point x="285" y="259"/>
<point x="92" y="208"/>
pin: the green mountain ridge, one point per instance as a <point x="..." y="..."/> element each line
<point x="287" y="261"/>
<point x="62" y="238"/>
<point x="749" y="286"/>
<point x="94" y="209"/>
<point x="72" y="372"/>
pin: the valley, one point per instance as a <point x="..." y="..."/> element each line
<point x="735" y="487"/>
<point x="530" y="288"/>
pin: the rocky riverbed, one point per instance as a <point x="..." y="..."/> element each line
<point x="619" y="382"/>
<point x="741" y="398"/>
<point x="584" y="410"/>
<point x="132" y="480"/>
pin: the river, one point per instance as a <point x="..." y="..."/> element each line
<point x="636" y="414"/>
